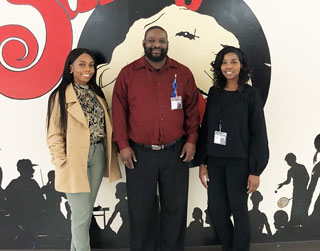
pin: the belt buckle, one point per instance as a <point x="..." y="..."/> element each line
<point x="156" y="147"/>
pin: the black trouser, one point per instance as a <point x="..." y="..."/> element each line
<point x="227" y="195"/>
<point x="166" y="169"/>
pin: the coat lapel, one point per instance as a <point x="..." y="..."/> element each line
<point x="73" y="106"/>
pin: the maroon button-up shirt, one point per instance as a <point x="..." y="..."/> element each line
<point x="141" y="106"/>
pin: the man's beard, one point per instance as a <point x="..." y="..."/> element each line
<point x="148" y="53"/>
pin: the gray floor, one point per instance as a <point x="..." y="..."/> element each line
<point x="282" y="246"/>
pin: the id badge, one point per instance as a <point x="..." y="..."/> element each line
<point x="220" y="138"/>
<point x="176" y="103"/>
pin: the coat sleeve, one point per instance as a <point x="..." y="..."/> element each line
<point x="201" y="154"/>
<point x="258" y="146"/>
<point x="56" y="138"/>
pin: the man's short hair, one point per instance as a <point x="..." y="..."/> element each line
<point x="156" y="27"/>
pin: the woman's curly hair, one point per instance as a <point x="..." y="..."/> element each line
<point x="219" y="80"/>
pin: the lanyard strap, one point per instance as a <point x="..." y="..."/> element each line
<point x="223" y="108"/>
<point x="175" y="87"/>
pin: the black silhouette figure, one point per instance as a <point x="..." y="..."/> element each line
<point x="314" y="179"/>
<point x="197" y="223"/>
<point x="195" y="229"/>
<point x="121" y="208"/>
<point x="55" y="232"/>
<point x="209" y="233"/>
<point x="300" y="177"/>
<point x="258" y="220"/>
<point x="2" y="211"/>
<point x="197" y="234"/>
<point x="285" y="230"/>
<point x="25" y="204"/>
<point x="101" y="238"/>
<point x="315" y="215"/>
<point x="281" y="224"/>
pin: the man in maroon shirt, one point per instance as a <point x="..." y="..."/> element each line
<point x="155" y="120"/>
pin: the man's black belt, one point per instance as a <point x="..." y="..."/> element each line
<point x="159" y="147"/>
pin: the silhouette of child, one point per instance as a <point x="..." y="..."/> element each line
<point x="258" y="220"/>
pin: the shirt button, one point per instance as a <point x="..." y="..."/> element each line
<point x="161" y="119"/>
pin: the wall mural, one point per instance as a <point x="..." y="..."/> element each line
<point x="33" y="214"/>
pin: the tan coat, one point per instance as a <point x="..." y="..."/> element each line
<point x="69" y="151"/>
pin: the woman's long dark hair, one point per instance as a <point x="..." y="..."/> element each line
<point x="67" y="78"/>
<point x="219" y="80"/>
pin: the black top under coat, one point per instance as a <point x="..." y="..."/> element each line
<point x="242" y="118"/>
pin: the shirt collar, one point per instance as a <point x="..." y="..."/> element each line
<point x="81" y="87"/>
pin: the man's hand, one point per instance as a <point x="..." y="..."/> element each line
<point x="127" y="156"/>
<point x="188" y="151"/>
<point x="253" y="183"/>
<point x="203" y="175"/>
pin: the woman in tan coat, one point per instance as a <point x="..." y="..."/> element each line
<point x="79" y="136"/>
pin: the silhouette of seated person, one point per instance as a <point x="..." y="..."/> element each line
<point x="121" y="208"/>
<point x="195" y="229"/>
<point x="281" y="224"/>
<point x="8" y="230"/>
<point x="300" y="178"/>
<point x="55" y="220"/>
<point x="285" y="231"/>
<point x="197" y="233"/>
<point x="25" y="202"/>
<point x="258" y="220"/>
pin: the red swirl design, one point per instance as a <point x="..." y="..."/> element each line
<point x="13" y="50"/>
<point x="194" y="5"/>
<point x="82" y="6"/>
<point x="40" y="78"/>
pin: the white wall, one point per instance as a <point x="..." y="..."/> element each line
<point x="292" y="108"/>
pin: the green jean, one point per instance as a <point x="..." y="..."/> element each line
<point x="81" y="204"/>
